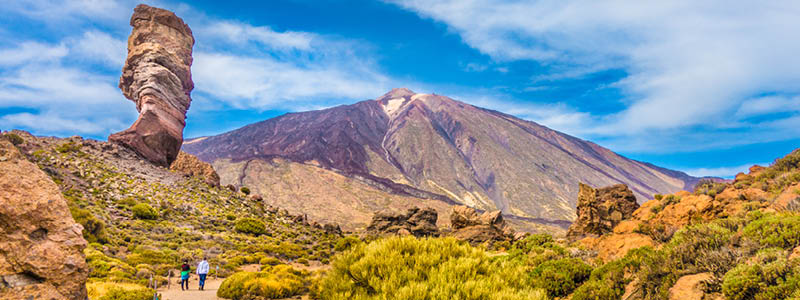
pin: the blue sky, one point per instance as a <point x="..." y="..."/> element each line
<point x="709" y="88"/>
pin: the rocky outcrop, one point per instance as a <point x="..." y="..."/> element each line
<point x="157" y="77"/>
<point x="41" y="246"/>
<point x="490" y="227"/>
<point x="190" y="165"/>
<point x="599" y="210"/>
<point x="417" y="222"/>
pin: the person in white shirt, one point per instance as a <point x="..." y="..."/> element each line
<point x="202" y="272"/>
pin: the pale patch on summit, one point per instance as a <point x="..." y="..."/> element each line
<point x="393" y="105"/>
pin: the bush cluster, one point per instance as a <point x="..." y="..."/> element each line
<point x="14" y="138"/>
<point x="250" y="226"/>
<point x="272" y="282"/>
<point x="144" y="211"/>
<point x="411" y="268"/>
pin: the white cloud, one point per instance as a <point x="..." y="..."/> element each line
<point x="31" y="51"/>
<point x="242" y="34"/>
<point x="262" y="83"/>
<point x="768" y="104"/>
<point x="102" y="47"/>
<point x="688" y="63"/>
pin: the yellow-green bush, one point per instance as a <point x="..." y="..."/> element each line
<point x="274" y="282"/>
<point x="769" y="276"/>
<point x="118" y="291"/>
<point x="94" y="229"/>
<point x="346" y="242"/>
<point x="774" y="230"/>
<point x="250" y="226"/>
<point x="144" y="211"/>
<point x="561" y="276"/>
<point x="411" y="268"/>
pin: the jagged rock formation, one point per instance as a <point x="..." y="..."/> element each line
<point x="190" y="165"/>
<point x="404" y="142"/>
<point x="41" y="246"/>
<point x="599" y="210"/>
<point x="157" y="77"/>
<point x="476" y="229"/>
<point x="417" y="222"/>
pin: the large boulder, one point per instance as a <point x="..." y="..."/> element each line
<point x="190" y="165"/>
<point x="599" y="210"/>
<point x="157" y="77"/>
<point x="41" y="246"/>
<point x="417" y="222"/>
<point x="469" y="226"/>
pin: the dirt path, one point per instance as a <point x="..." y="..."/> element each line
<point x="209" y="293"/>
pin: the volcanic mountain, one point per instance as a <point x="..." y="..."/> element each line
<point x="428" y="146"/>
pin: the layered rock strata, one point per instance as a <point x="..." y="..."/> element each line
<point x="157" y="77"/>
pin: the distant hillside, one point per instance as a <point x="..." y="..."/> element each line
<point x="434" y="147"/>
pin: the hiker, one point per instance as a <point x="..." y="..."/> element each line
<point x="185" y="270"/>
<point x="202" y="272"/>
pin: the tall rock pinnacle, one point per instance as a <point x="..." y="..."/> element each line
<point x="157" y="77"/>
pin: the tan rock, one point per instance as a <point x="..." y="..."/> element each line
<point x="690" y="287"/>
<point x="41" y="246"/>
<point x="157" y="77"/>
<point x="415" y="221"/>
<point x="190" y="165"/>
<point x="600" y="210"/>
<point x="614" y="246"/>
<point x="490" y="227"/>
<point x="464" y="216"/>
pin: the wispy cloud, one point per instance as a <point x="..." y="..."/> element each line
<point x="688" y="63"/>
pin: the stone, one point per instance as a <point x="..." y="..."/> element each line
<point x="157" y="77"/>
<point x="417" y="222"/>
<point x="190" y="165"/>
<point x="690" y="287"/>
<point x="600" y="210"/>
<point x="41" y="246"/>
<point x="490" y="227"/>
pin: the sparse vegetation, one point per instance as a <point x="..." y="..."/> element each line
<point x="245" y="190"/>
<point x="14" y="138"/>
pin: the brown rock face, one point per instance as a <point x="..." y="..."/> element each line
<point x="157" y="77"/>
<point x="476" y="229"/>
<point x="41" y="246"/>
<point x="416" y="221"/>
<point x="190" y="165"/>
<point x="599" y="210"/>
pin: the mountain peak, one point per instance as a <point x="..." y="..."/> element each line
<point x="396" y="93"/>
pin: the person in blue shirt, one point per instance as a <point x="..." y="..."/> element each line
<point x="202" y="272"/>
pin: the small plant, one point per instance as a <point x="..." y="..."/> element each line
<point x="346" y="243"/>
<point x="14" y="138"/>
<point x="68" y="147"/>
<point x="245" y="190"/>
<point x="250" y="226"/>
<point x="144" y="211"/>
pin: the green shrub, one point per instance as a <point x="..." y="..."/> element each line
<point x="144" y="211"/>
<point x="116" y="293"/>
<point x="94" y="229"/>
<point x="346" y="243"/>
<point x="411" y="268"/>
<point x="276" y="282"/>
<point x="14" y="138"/>
<point x="230" y="217"/>
<point x="245" y="190"/>
<point x="560" y="277"/>
<point x="269" y="261"/>
<point x="770" y="276"/>
<point x="788" y="162"/>
<point x="250" y="226"/>
<point x="708" y="247"/>
<point x="69" y="147"/>
<point x="774" y="230"/>
<point x="658" y="197"/>
<point x="709" y="187"/>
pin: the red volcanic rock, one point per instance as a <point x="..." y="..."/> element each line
<point x="157" y="77"/>
<point x="191" y="166"/>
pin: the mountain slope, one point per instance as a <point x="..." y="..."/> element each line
<point x="473" y="156"/>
